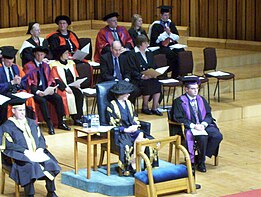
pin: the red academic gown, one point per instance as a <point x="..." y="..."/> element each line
<point x="105" y="38"/>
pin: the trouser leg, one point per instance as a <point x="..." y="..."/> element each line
<point x="29" y="189"/>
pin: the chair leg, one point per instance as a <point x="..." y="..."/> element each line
<point x="170" y="152"/>
<point x="168" y="95"/>
<point x="173" y="95"/>
<point x="216" y="160"/>
<point x="3" y="182"/>
<point x="101" y="157"/>
<point x="234" y="90"/>
<point x="208" y="92"/>
<point x="163" y="95"/>
<point x="215" y="89"/>
<point x="218" y="92"/>
<point x="94" y="103"/>
<point x="87" y="104"/>
<point x="17" y="194"/>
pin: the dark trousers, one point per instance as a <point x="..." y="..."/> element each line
<point x="208" y="144"/>
<point x="173" y="60"/>
<point x="56" y="100"/>
<point x="29" y="188"/>
<point x="79" y="102"/>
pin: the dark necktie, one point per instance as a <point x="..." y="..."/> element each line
<point x="11" y="77"/>
<point x="195" y="109"/>
<point x="115" y="35"/>
<point x="117" y="69"/>
<point x="42" y="77"/>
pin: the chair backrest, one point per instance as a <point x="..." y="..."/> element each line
<point x="83" y="42"/>
<point x="210" y="59"/>
<point x="103" y="99"/>
<point x="185" y="63"/>
<point x="85" y="70"/>
<point x="160" y="60"/>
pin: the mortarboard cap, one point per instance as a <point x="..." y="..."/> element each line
<point x="108" y="16"/>
<point x="191" y="80"/>
<point x="122" y="87"/>
<point x="17" y="102"/>
<point x="30" y="27"/>
<point x="41" y="49"/>
<point x="165" y="8"/>
<point x="63" y="17"/>
<point x="8" y="52"/>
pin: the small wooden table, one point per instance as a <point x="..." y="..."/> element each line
<point x="91" y="136"/>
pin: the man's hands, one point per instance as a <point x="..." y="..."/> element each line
<point x="131" y="129"/>
<point x="167" y="29"/>
<point x="16" y="80"/>
<point x="199" y="127"/>
<point x="68" y="90"/>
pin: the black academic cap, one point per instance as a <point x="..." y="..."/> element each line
<point x="122" y="87"/>
<point x="41" y="49"/>
<point x="8" y="52"/>
<point x="16" y="102"/>
<point x="105" y="18"/>
<point x="165" y="8"/>
<point x="57" y="52"/>
<point x="30" y="27"/>
<point x="191" y="80"/>
<point x="63" y="17"/>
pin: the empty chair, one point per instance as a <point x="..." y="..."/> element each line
<point x="210" y="64"/>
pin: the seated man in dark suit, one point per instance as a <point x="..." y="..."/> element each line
<point x="194" y="111"/>
<point x="39" y="78"/>
<point x="114" y="67"/>
<point x="24" y="142"/>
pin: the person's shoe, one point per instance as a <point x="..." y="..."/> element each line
<point x="156" y="112"/>
<point x="51" y="130"/>
<point x="202" y="167"/>
<point x="77" y="122"/>
<point x="51" y="194"/>
<point x="146" y="111"/>
<point x="64" y="126"/>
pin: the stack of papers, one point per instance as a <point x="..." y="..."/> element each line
<point x="197" y="132"/>
<point x="94" y="64"/>
<point x="3" y="99"/>
<point x="177" y="46"/>
<point x="89" y="90"/>
<point x="78" y="82"/>
<point x="155" y="73"/>
<point x="81" y="54"/>
<point x="168" y="81"/>
<point x="218" y="73"/>
<point x="153" y="48"/>
<point x="193" y="76"/>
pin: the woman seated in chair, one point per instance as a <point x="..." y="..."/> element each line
<point x="64" y="73"/>
<point x="121" y="114"/>
<point x="141" y="59"/>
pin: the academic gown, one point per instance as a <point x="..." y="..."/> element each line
<point x="105" y="38"/>
<point x="134" y="33"/>
<point x="23" y="170"/>
<point x="182" y="112"/>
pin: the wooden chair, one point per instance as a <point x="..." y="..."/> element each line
<point x="210" y="63"/>
<point x="163" y="180"/>
<point x="176" y="128"/>
<point x="161" y="61"/>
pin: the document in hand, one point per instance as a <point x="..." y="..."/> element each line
<point x="3" y="99"/>
<point x="197" y="132"/>
<point x="49" y="90"/>
<point x="23" y="95"/>
<point x="77" y="82"/>
<point x="177" y="46"/>
<point x="155" y="73"/>
<point x="81" y="54"/>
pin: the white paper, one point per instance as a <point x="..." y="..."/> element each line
<point x="168" y="81"/>
<point x="102" y="129"/>
<point x="78" y="82"/>
<point x="177" y="46"/>
<point x="86" y="48"/>
<point x="197" y="132"/>
<point x="49" y="90"/>
<point x="162" y="70"/>
<point x="94" y="64"/>
<point x="38" y="157"/>
<point x="3" y="99"/>
<point x="194" y="76"/>
<point x="218" y="73"/>
<point x="79" y="55"/>
<point x="23" y="95"/>
<point x="153" y="48"/>
<point x="89" y="90"/>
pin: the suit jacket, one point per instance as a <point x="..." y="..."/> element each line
<point x="32" y="80"/>
<point x="6" y="86"/>
<point x="107" y="67"/>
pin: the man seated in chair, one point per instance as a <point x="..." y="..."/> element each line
<point x="121" y="114"/>
<point x="194" y="111"/>
<point x="24" y="142"/>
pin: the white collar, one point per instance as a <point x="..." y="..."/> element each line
<point x="137" y="50"/>
<point x="191" y="98"/>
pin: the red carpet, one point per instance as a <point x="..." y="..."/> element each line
<point x="252" y="193"/>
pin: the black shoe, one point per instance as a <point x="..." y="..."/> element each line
<point x="156" y="112"/>
<point x="63" y="126"/>
<point x="146" y="111"/>
<point x="198" y="186"/>
<point x="202" y="167"/>
<point x="51" y="129"/>
<point x="51" y="194"/>
<point x="77" y="122"/>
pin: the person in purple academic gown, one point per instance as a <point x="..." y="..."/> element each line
<point x="194" y="111"/>
<point x="23" y="141"/>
